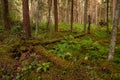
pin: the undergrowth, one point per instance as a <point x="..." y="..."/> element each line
<point x="88" y="54"/>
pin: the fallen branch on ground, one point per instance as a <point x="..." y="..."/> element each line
<point x="53" y="58"/>
<point x="59" y="39"/>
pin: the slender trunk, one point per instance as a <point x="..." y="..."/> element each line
<point x="107" y="15"/>
<point x="66" y="14"/>
<point x="114" y="30"/>
<point x="26" y="19"/>
<point x="76" y="11"/>
<point x="37" y="19"/>
<point x="96" y="14"/>
<point x="6" y="15"/>
<point x="89" y="23"/>
<point x="56" y="15"/>
<point x="72" y="3"/>
<point x="85" y="14"/>
<point x="114" y="2"/>
<point x="100" y="13"/>
<point x="48" y="28"/>
<point x="36" y="30"/>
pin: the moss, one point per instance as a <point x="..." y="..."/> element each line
<point x="53" y="58"/>
<point x="87" y="63"/>
<point x="6" y="58"/>
<point x="30" y="75"/>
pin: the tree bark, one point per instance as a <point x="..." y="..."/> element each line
<point x="96" y="13"/>
<point x="89" y="23"/>
<point x="114" y="30"/>
<point x="37" y="19"/>
<point x="107" y="16"/>
<point x="26" y="19"/>
<point x="48" y="28"/>
<point x="72" y="3"/>
<point x="114" y="2"/>
<point x="6" y="15"/>
<point x="85" y="14"/>
<point x="56" y="15"/>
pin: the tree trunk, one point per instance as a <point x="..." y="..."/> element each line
<point x="72" y="3"/>
<point x="96" y="13"/>
<point x="67" y="11"/>
<point x="26" y="19"/>
<point x="48" y="28"/>
<point x="114" y="30"/>
<point x="6" y="15"/>
<point x="114" y="2"/>
<point x="107" y="15"/>
<point x="85" y="14"/>
<point x="89" y="23"/>
<point x="56" y="15"/>
<point x="37" y="19"/>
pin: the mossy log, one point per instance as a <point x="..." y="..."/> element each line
<point x="59" y="39"/>
<point x="51" y="41"/>
<point x="53" y="58"/>
<point x="78" y="36"/>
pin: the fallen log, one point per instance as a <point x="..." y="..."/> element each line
<point x="53" y="58"/>
<point x="59" y="39"/>
<point x="51" y="41"/>
<point x="78" y="36"/>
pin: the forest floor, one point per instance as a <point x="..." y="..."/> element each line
<point x="60" y="56"/>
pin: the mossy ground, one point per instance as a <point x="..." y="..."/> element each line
<point x="87" y="54"/>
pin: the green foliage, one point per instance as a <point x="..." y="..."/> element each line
<point x="30" y="66"/>
<point x="117" y="49"/>
<point x="77" y="27"/>
<point x="97" y="52"/>
<point x="69" y="37"/>
<point x="101" y="34"/>
<point x="89" y="45"/>
<point x="63" y="26"/>
<point x="93" y="50"/>
<point x="26" y="68"/>
<point x="5" y="76"/>
<point x="102" y="53"/>
<point x="115" y="76"/>
<point x="86" y="43"/>
<point x="1" y="28"/>
<point x="16" y="31"/>
<point x="15" y="9"/>
<point x="117" y="55"/>
<point x="35" y="65"/>
<point x="64" y="48"/>
<point x="18" y="77"/>
<point x="104" y="50"/>
<point x="43" y="67"/>
<point x="42" y="26"/>
<point x="92" y="75"/>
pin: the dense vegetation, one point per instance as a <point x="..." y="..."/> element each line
<point x="50" y="40"/>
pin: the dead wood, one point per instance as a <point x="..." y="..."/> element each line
<point x="59" y="39"/>
<point x="53" y="58"/>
